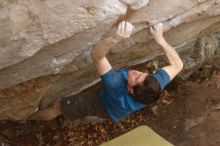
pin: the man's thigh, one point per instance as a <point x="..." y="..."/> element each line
<point x="81" y="105"/>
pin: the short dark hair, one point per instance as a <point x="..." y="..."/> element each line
<point x="147" y="92"/>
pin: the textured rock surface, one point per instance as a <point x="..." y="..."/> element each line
<point x="45" y="44"/>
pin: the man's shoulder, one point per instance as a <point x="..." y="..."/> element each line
<point x="114" y="78"/>
<point x="112" y="72"/>
<point x="123" y="70"/>
<point x="162" y="77"/>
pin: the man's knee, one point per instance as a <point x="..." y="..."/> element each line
<point x="48" y="113"/>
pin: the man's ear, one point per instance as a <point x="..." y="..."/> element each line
<point x="130" y="90"/>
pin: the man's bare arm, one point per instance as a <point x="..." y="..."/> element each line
<point x="100" y="50"/>
<point x="175" y="61"/>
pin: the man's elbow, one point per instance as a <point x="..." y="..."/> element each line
<point x="180" y="66"/>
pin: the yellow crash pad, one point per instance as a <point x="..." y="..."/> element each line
<point x="140" y="136"/>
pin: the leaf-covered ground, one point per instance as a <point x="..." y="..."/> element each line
<point x="188" y="114"/>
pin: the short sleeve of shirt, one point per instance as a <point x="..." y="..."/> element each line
<point x="112" y="79"/>
<point x="162" y="77"/>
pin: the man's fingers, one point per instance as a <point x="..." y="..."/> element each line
<point x="160" y="25"/>
<point x="157" y="32"/>
<point x="130" y="27"/>
<point x="119" y="29"/>
<point x="125" y="29"/>
<point x="151" y="29"/>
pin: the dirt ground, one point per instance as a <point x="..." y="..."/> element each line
<point x="188" y="114"/>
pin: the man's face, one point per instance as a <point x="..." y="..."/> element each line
<point x="135" y="77"/>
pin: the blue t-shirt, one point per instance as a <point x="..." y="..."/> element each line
<point x="114" y="96"/>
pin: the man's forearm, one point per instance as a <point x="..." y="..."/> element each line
<point x="175" y="61"/>
<point x="102" y="48"/>
<point x="171" y="54"/>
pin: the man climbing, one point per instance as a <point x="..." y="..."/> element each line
<point x="124" y="91"/>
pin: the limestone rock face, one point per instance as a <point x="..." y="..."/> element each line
<point x="45" y="44"/>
